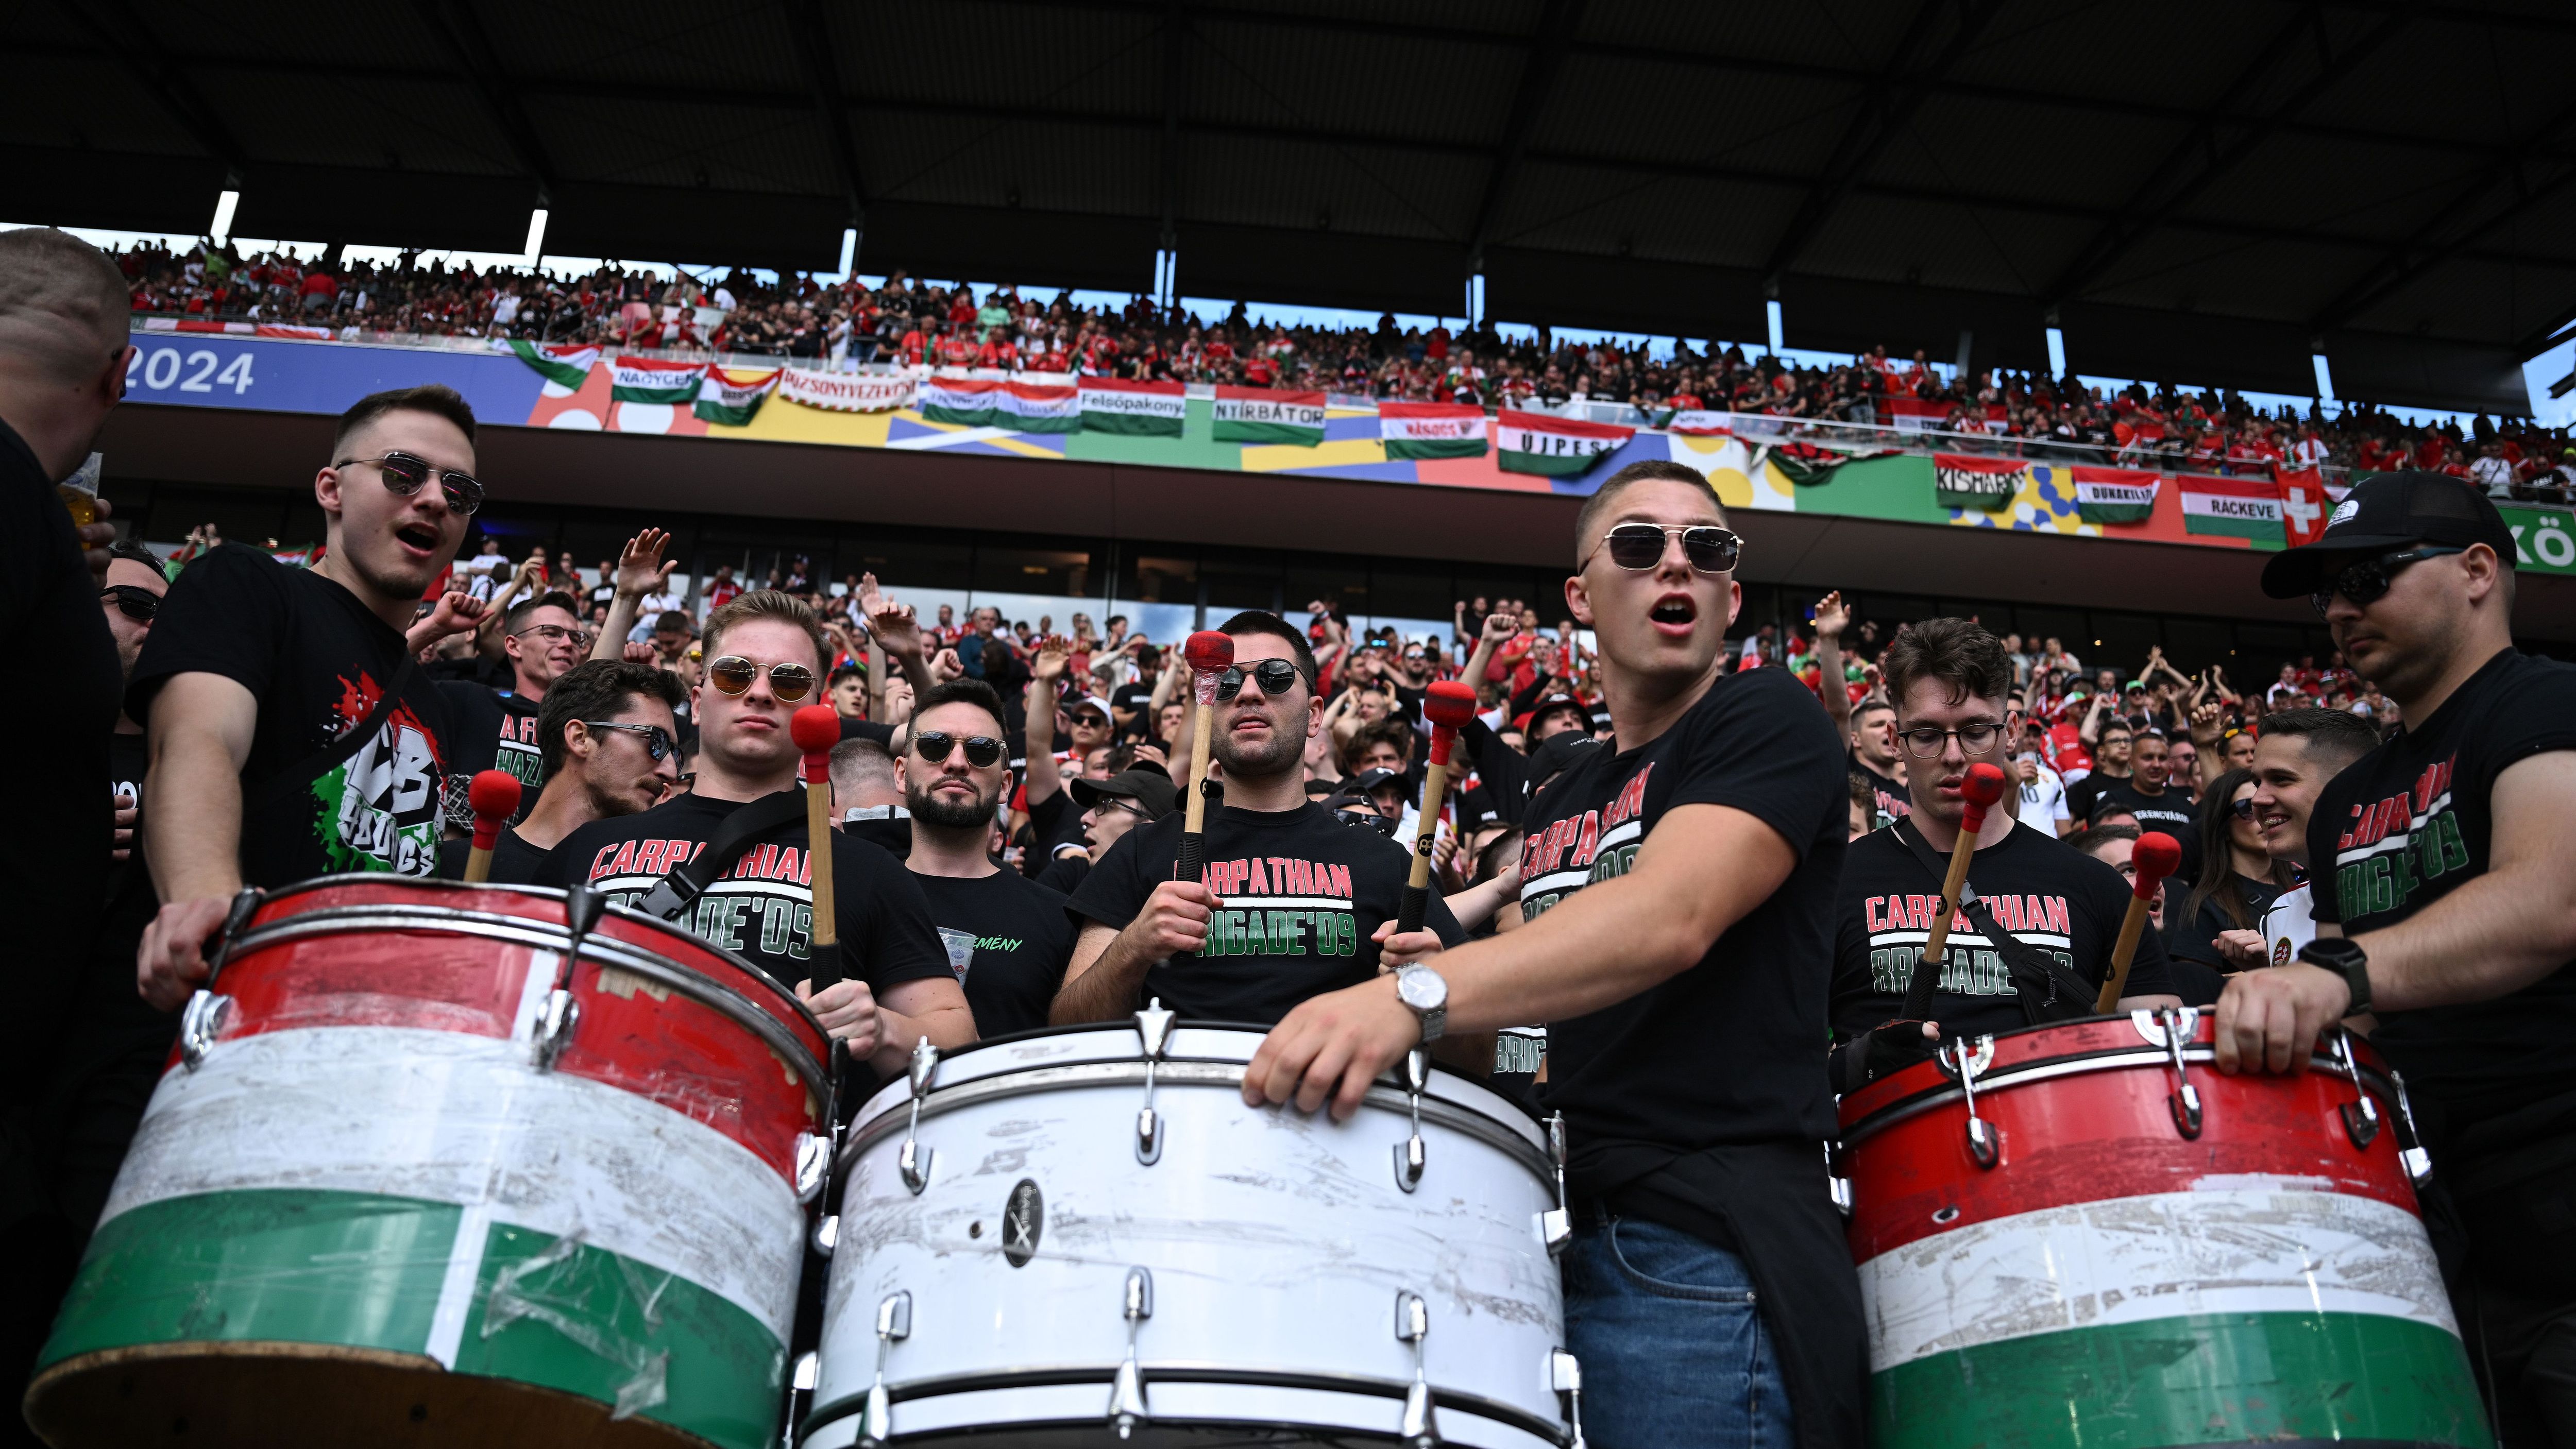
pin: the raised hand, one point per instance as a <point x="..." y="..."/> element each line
<point x="641" y="568"/>
<point x="1832" y="616"/>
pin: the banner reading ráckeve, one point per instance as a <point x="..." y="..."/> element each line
<point x="1135" y="409"/>
<point x="564" y="364"/>
<point x="2236" y="507"/>
<point x="645" y="380"/>
<point x="1432" y="430"/>
<point x="732" y="396"/>
<point x="2115" y="495"/>
<point x="1555" y="447"/>
<point x="2304" y="504"/>
<point x="843" y="392"/>
<point x="1260" y="415"/>
<point x="1986" y="485"/>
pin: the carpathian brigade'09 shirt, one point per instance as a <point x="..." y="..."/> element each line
<point x="2048" y="895"/>
<point x="762" y="907"/>
<point x="1298" y="896"/>
<point x="318" y="663"/>
<point x="2404" y="826"/>
<point x="1008" y="940"/>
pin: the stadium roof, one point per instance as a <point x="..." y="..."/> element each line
<point x="2199" y="191"/>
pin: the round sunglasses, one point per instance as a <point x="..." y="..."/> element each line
<point x="982" y="751"/>
<point x="1275" y="676"/>
<point x="1638" y="547"/>
<point x="733" y="674"/>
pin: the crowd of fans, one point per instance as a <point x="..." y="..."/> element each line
<point x="904" y="321"/>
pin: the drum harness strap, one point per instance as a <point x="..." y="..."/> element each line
<point x="292" y="780"/>
<point x="746" y="825"/>
<point x="2048" y="990"/>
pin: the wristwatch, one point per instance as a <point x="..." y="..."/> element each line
<point x="2345" y="958"/>
<point x="1425" y="993"/>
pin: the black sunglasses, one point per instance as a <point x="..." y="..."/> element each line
<point x="981" y="750"/>
<point x="133" y="601"/>
<point x="657" y="740"/>
<point x="2366" y="582"/>
<point x="404" y="476"/>
<point x="1275" y="676"/>
<point x="2242" y="809"/>
<point x="1638" y="547"/>
<point x="1368" y="820"/>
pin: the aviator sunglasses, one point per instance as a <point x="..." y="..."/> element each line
<point x="733" y="675"/>
<point x="404" y="475"/>
<point x="1638" y="547"/>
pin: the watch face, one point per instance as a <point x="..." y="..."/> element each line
<point x="1423" y="990"/>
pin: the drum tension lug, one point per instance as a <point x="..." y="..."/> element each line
<point x="1565" y="1375"/>
<point x="200" y="1024"/>
<point x="1127" y="1390"/>
<point x="1154" y="1030"/>
<point x="1964" y="1060"/>
<point x="2178" y="1026"/>
<point x="1410" y="1156"/>
<point x="562" y="1013"/>
<point x="236" y="919"/>
<point x="914" y="1160"/>
<point x="1421" y="1426"/>
<point x="2360" y="1115"/>
<point x="1838" y="1180"/>
<point x="554" y="1028"/>
<point x="1556" y="1225"/>
<point x="2410" y="1147"/>
<point x="894" y="1324"/>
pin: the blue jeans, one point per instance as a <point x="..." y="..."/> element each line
<point x="1674" y="1353"/>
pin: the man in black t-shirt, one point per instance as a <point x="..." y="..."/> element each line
<point x="2156" y="805"/>
<point x="1951" y="679"/>
<point x="1291" y="904"/>
<point x="1007" y="936"/>
<point x="1678" y="889"/>
<point x="2111" y="766"/>
<point x="608" y="744"/>
<point x="890" y="984"/>
<point x="2445" y="908"/>
<point x="292" y="734"/>
<point x="543" y="637"/>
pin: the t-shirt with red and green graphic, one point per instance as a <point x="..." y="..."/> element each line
<point x="317" y="662"/>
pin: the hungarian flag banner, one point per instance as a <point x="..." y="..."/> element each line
<point x="731" y="396"/>
<point x="1701" y="424"/>
<point x="968" y="402"/>
<point x="2304" y="504"/>
<point x="1805" y="464"/>
<point x="2234" y="507"/>
<point x="845" y="392"/>
<point x="645" y="380"/>
<point x="1555" y="447"/>
<point x="1135" y="409"/>
<point x="1035" y="407"/>
<point x="1431" y="430"/>
<point x="1913" y="414"/>
<point x="1982" y="485"/>
<point x="2115" y="495"/>
<point x="1260" y="415"/>
<point x="563" y="364"/>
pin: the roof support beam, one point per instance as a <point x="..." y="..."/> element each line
<point x="2213" y="147"/>
<point x="1176" y="49"/>
<point x="1557" y="24"/>
<point x="461" y="33"/>
<point x="2450" y="229"/>
<point x="812" y="29"/>
<point x="1886" y="106"/>
<point x="125" y="39"/>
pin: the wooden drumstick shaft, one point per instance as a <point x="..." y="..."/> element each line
<point x="1417" y="886"/>
<point x="1927" y="967"/>
<point x="2133" y="924"/>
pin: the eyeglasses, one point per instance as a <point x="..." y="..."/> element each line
<point x="981" y="750"/>
<point x="1927" y="743"/>
<point x="1368" y="820"/>
<point x="657" y="740"/>
<point x="1275" y="676"/>
<point x="1112" y="802"/>
<point x="1638" y="547"/>
<point x="404" y="475"/>
<point x="133" y="601"/>
<point x="2366" y="582"/>
<point x="581" y="638"/>
<point x="733" y="675"/>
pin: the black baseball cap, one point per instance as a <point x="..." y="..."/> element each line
<point x="2388" y="512"/>
<point x="1143" y="782"/>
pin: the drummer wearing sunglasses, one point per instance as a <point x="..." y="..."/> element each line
<point x="891" y="984"/>
<point x="257" y="677"/>
<point x="1677" y="891"/>
<point x="2445" y="909"/>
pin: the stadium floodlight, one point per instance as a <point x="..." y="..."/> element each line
<point x="849" y="249"/>
<point x="536" y="247"/>
<point x="1476" y="300"/>
<point x="2325" y="378"/>
<point x="1771" y="311"/>
<point x="2057" y="352"/>
<point x="225" y="205"/>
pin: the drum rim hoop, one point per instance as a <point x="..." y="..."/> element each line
<point x="2078" y="1064"/>
<point x="1182" y="1371"/>
<point x="719" y="996"/>
<point x="890" y="1121"/>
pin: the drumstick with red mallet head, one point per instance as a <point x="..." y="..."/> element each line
<point x="494" y="797"/>
<point x="1448" y="705"/>
<point x="1983" y="786"/>
<point x="816" y="729"/>
<point x="2153" y="858"/>
<point x="1210" y="654"/>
